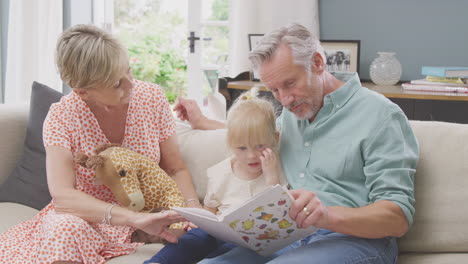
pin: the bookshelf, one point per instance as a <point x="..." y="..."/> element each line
<point x="417" y="105"/>
<point x="389" y="91"/>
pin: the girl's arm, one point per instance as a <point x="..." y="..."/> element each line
<point x="172" y="163"/>
<point x="68" y="200"/>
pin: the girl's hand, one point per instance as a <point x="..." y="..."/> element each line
<point x="189" y="225"/>
<point x="270" y="166"/>
<point x="158" y="223"/>
<point x="194" y="203"/>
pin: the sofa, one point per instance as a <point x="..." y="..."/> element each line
<point x="440" y="230"/>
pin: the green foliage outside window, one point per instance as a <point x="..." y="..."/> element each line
<point x="157" y="41"/>
<point x="156" y="44"/>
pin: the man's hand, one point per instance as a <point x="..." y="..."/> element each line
<point x="188" y="110"/>
<point x="308" y="210"/>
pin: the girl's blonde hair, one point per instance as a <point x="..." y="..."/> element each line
<point x="251" y="121"/>
<point x="87" y="56"/>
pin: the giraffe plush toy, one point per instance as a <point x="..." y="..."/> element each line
<point x="137" y="182"/>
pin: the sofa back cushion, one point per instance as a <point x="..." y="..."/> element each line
<point x="27" y="184"/>
<point x="441" y="188"/>
<point x="200" y="150"/>
<point x="13" y="120"/>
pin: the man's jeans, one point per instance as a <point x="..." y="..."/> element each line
<point x="323" y="246"/>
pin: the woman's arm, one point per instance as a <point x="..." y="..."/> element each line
<point x="68" y="200"/>
<point x="172" y="163"/>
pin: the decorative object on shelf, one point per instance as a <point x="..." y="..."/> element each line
<point x="385" y="69"/>
<point x="342" y="55"/>
<point x="253" y="41"/>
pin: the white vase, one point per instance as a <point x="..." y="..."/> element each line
<point x="385" y="69"/>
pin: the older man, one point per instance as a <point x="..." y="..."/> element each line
<point x="349" y="155"/>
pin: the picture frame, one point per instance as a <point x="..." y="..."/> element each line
<point x="253" y="41"/>
<point x="342" y="55"/>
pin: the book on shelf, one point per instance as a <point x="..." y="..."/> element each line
<point x="435" y="88"/>
<point x="262" y="223"/>
<point x="426" y="82"/>
<point x="445" y="71"/>
<point x="456" y="80"/>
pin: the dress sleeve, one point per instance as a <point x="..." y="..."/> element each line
<point x="55" y="129"/>
<point x="165" y="119"/>
<point x="391" y="154"/>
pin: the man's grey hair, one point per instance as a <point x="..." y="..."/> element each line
<point x="298" y="38"/>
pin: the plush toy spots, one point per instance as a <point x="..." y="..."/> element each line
<point x="137" y="182"/>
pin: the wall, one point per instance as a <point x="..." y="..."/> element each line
<point x="421" y="32"/>
<point x="4" y="6"/>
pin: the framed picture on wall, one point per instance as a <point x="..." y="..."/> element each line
<point x="253" y="41"/>
<point x="342" y="55"/>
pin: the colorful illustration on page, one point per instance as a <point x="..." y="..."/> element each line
<point x="266" y="224"/>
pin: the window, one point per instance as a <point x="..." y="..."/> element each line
<point x="155" y="33"/>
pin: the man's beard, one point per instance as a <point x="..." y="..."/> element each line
<point x="309" y="113"/>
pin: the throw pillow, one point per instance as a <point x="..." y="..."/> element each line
<point x="28" y="182"/>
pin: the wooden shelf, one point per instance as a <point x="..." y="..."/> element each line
<point x="389" y="91"/>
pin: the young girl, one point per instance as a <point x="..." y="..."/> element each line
<point x="254" y="166"/>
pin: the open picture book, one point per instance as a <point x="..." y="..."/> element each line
<point x="262" y="223"/>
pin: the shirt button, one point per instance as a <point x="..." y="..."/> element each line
<point x="307" y="144"/>
<point x="301" y="175"/>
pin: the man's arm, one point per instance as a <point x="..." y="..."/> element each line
<point x="390" y="157"/>
<point x="188" y="110"/>
<point x="377" y="220"/>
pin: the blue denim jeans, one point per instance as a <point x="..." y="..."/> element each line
<point x="323" y="246"/>
<point x="193" y="246"/>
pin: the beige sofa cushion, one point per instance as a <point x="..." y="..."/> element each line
<point x="13" y="214"/>
<point x="433" y="258"/>
<point x="441" y="181"/>
<point x="13" y="121"/>
<point x="201" y="150"/>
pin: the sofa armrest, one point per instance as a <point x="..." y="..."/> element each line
<point x="13" y="122"/>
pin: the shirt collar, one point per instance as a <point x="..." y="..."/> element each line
<point x="341" y="96"/>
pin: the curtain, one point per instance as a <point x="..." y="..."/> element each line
<point x="1" y="62"/>
<point x="260" y="17"/>
<point x="33" y="29"/>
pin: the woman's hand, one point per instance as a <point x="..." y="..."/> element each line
<point x="158" y="223"/>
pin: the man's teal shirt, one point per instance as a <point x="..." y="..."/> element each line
<point x="359" y="149"/>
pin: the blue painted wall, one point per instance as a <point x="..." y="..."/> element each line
<point x="421" y="32"/>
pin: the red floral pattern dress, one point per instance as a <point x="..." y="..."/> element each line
<point x="50" y="237"/>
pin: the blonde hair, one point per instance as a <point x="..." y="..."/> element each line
<point x="251" y="121"/>
<point x="87" y="56"/>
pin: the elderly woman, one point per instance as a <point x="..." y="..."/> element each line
<point x="82" y="224"/>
